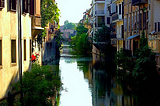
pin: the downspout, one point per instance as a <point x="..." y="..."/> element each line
<point x="20" y="47"/>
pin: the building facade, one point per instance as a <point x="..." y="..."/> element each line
<point x="99" y="17"/>
<point x="31" y="26"/>
<point x="117" y="12"/>
<point x="135" y="21"/>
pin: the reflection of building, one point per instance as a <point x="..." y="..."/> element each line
<point x="105" y="91"/>
<point x="31" y="26"/>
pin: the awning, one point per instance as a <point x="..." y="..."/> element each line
<point x="133" y="36"/>
<point x="36" y="31"/>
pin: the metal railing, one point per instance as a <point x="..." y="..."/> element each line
<point x="99" y="12"/>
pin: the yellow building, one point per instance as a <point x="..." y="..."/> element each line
<point x="154" y="28"/>
<point x="31" y="26"/>
<point x="135" y="21"/>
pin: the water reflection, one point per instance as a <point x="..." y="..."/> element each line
<point x="90" y="81"/>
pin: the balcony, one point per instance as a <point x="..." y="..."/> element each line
<point x="139" y="2"/>
<point x="99" y="12"/>
<point x="115" y="17"/>
<point x="36" y="26"/>
<point x="99" y="0"/>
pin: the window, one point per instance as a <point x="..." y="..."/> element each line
<point x="101" y="21"/>
<point x="129" y="24"/>
<point x="24" y="50"/>
<point x="31" y="7"/>
<point x="13" y="51"/>
<point x="1" y="3"/>
<point x="144" y="20"/>
<point x="158" y="26"/>
<point x="119" y="8"/>
<point x="122" y="8"/>
<point x="125" y="24"/>
<point x="155" y="27"/>
<point x="140" y="22"/>
<point x="12" y="4"/>
<point x="0" y="52"/>
<point x="30" y="48"/>
<point x="108" y="20"/>
<point x="25" y="6"/>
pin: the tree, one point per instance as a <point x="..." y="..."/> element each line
<point x="49" y="13"/>
<point x="141" y="75"/>
<point x="102" y="35"/>
<point x="80" y="41"/>
<point x="69" y="25"/>
<point x="39" y="85"/>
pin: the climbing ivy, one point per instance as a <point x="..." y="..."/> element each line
<point x="49" y="13"/>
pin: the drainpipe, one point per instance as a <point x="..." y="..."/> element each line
<point x="20" y="48"/>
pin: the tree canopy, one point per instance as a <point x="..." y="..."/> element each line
<point x="49" y="13"/>
<point x="69" y="25"/>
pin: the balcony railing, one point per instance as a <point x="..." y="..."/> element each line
<point x="139" y="2"/>
<point x="99" y="0"/>
<point x="36" y="21"/>
<point x="115" y="17"/>
<point x="99" y="12"/>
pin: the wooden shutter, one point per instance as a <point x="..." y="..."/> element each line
<point x="119" y="8"/>
<point x="1" y="3"/>
<point x="158" y="26"/>
<point x="31" y="7"/>
<point x="25" y="6"/>
<point x="155" y="27"/>
<point x="12" y="4"/>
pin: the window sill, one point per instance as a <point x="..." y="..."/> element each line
<point x="12" y="10"/>
<point x="13" y="64"/>
<point x="1" y="67"/>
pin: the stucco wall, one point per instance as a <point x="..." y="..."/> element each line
<point x="8" y="31"/>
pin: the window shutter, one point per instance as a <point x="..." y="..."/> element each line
<point x="119" y="8"/>
<point x="32" y="7"/>
<point x="25" y="6"/>
<point x="155" y="26"/>
<point x="108" y="20"/>
<point x="12" y="4"/>
<point x="158" y="26"/>
<point x="1" y="3"/>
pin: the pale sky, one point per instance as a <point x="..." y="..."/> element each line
<point x="72" y="10"/>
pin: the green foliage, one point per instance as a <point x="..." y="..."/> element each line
<point x="125" y="66"/>
<point x="69" y="25"/>
<point x="142" y="76"/>
<point x="81" y="29"/>
<point x="102" y="35"/>
<point x="38" y="85"/>
<point x="49" y="13"/>
<point x="80" y="42"/>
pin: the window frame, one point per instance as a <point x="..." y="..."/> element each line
<point x="1" y="53"/>
<point x="25" y="49"/>
<point x="14" y="63"/>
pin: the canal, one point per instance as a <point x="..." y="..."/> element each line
<point x="87" y="82"/>
<point x="91" y="81"/>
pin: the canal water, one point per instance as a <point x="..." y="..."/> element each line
<point x="87" y="82"/>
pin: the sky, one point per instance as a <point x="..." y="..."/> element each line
<point x="72" y="10"/>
